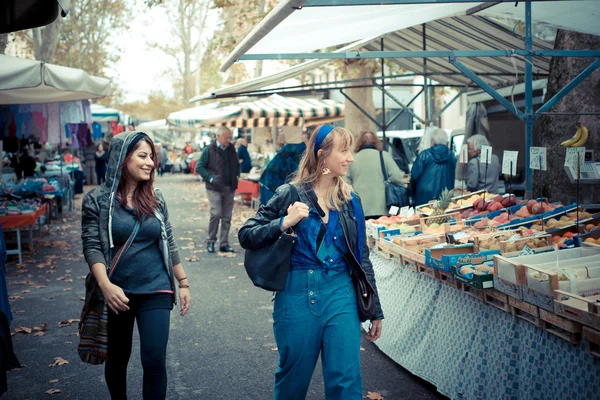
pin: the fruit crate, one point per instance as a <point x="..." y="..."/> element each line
<point x="592" y="341"/>
<point x="561" y="327"/>
<point x="426" y="209"/>
<point x="412" y="248"/>
<point x="586" y="239"/>
<point x="525" y="311"/>
<point x="475" y="281"/>
<point x="537" y="244"/>
<point x="453" y="220"/>
<point x="480" y="240"/>
<point x="508" y="277"/>
<point x="496" y="299"/>
<point x="585" y="310"/>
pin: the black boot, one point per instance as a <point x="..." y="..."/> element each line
<point x="226" y="249"/>
<point x="210" y="246"/>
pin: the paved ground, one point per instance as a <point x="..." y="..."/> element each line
<point x="223" y="349"/>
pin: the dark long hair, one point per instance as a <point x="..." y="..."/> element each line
<point x="143" y="197"/>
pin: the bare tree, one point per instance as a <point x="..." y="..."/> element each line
<point x="3" y="42"/>
<point x="45" y="40"/>
<point x="188" y="25"/>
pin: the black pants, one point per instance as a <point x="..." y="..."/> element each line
<point x="153" y="318"/>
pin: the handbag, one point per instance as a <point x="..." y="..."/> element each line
<point x="395" y="195"/>
<point x="93" y="323"/>
<point x="365" y="294"/>
<point x="268" y="266"/>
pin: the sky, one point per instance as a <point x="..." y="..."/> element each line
<point x="142" y="69"/>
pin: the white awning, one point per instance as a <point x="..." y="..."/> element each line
<point x="271" y="80"/>
<point x="202" y="115"/>
<point x="24" y="81"/>
<point x="311" y="28"/>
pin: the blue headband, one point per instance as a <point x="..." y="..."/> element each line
<point x="321" y="135"/>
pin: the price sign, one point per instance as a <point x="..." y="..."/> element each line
<point x="509" y="162"/>
<point x="514" y="238"/>
<point x="526" y="251"/>
<point x="464" y="154"/>
<point x="537" y="158"/>
<point x="394" y="210"/>
<point x="486" y="154"/>
<point x="404" y="211"/>
<point x="571" y="158"/>
<point x="410" y="212"/>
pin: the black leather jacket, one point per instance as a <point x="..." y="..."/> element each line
<point x="264" y="228"/>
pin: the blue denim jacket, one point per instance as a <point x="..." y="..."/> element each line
<point x="306" y="255"/>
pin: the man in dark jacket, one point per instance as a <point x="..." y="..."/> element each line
<point x="433" y="170"/>
<point x="244" y="156"/>
<point x="220" y="169"/>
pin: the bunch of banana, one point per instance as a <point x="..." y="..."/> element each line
<point x="579" y="139"/>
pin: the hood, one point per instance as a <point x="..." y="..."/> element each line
<point x="117" y="152"/>
<point x="439" y="153"/>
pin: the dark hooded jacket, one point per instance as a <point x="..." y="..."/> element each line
<point x="96" y="219"/>
<point x="432" y="172"/>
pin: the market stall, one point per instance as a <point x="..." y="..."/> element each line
<point x="504" y="293"/>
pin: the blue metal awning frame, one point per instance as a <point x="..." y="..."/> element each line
<point x="528" y="115"/>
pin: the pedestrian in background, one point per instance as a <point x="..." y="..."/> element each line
<point x="317" y="312"/>
<point x="244" y="156"/>
<point x="366" y="175"/>
<point x="433" y="170"/>
<point x="220" y="169"/>
<point x="125" y="225"/>
<point x="477" y="179"/>
<point x="101" y="160"/>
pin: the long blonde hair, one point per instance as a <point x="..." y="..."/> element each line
<point x="311" y="166"/>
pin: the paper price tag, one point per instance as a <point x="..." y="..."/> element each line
<point x="571" y="157"/>
<point x="537" y="158"/>
<point x="439" y="246"/>
<point x="460" y="235"/>
<point x="394" y="210"/>
<point x="509" y="162"/>
<point x="464" y="154"/>
<point x="486" y="154"/>
<point x="404" y="211"/>
<point x="526" y="251"/>
<point x="514" y="238"/>
<point x="410" y="212"/>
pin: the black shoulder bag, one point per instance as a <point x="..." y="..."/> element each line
<point x="394" y="195"/>
<point x="268" y="266"/>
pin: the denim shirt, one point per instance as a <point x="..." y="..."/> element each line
<point x="306" y="255"/>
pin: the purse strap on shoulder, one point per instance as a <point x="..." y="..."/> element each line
<point x="385" y="178"/>
<point x="125" y="247"/>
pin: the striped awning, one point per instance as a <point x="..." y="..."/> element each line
<point x="281" y="111"/>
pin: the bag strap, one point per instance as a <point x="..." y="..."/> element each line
<point x="125" y="247"/>
<point x="385" y="178"/>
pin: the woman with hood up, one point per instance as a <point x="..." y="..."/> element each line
<point x="125" y="226"/>
<point x="433" y="170"/>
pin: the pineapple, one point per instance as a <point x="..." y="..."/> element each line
<point x="440" y="206"/>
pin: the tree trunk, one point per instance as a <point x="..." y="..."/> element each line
<point x="3" y="42"/>
<point x="46" y="39"/>
<point x="356" y="120"/>
<point x="554" y="182"/>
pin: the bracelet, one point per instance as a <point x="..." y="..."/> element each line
<point x="184" y="286"/>
<point x="182" y="279"/>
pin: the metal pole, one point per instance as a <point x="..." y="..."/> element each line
<point x="425" y="77"/>
<point x="529" y="116"/>
<point x="383" y="125"/>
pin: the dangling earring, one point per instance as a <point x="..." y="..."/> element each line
<point x="325" y="171"/>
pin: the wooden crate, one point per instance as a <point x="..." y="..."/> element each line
<point x="526" y="312"/>
<point x="389" y="251"/>
<point x="471" y="291"/>
<point x="545" y="299"/>
<point x="496" y="299"/>
<point x="457" y="225"/>
<point x="561" y="327"/>
<point x="424" y="269"/>
<point x="447" y="278"/>
<point x="592" y="341"/>
<point x="506" y="252"/>
<point x="585" y="310"/>
<point x="486" y="236"/>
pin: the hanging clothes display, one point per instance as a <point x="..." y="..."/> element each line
<point x="40" y="121"/>
<point x="87" y="111"/>
<point x="71" y="112"/>
<point x="97" y="131"/>
<point x="54" y="125"/>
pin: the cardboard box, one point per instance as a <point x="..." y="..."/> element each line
<point x="585" y="310"/>
<point x="476" y="281"/>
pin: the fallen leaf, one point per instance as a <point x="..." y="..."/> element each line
<point x="67" y="289"/>
<point x="243" y="291"/>
<point x="15" y="298"/>
<point x="23" y="329"/>
<point x="68" y="322"/>
<point x="373" y="396"/>
<point x="274" y="349"/>
<point x="185" y="238"/>
<point x="39" y="334"/>
<point x="226" y="255"/>
<point x="58" y="361"/>
<point x="41" y="266"/>
<point x="69" y="280"/>
<point x="26" y="291"/>
<point x="60" y="278"/>
<point x="231" y="277"/>
<point x="53" y="381"/>
<point x="21" y="265"/>
<point x="53" y="391"/>
<point x="248" y="338"/>
<point x="68" y="342"/>
<point x="82" y="298"/>
<point x="191" y="259"/>
<point x="83" y="277"/>
<point x="68" y="271"/>
<point x="362" y="349"/>
<point x="40" y="286"/>
<point x="41" y="328"/>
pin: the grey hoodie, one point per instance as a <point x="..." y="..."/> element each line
<point x="96" y="218"/>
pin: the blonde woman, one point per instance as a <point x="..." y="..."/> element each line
<point x="317" y="313"/>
